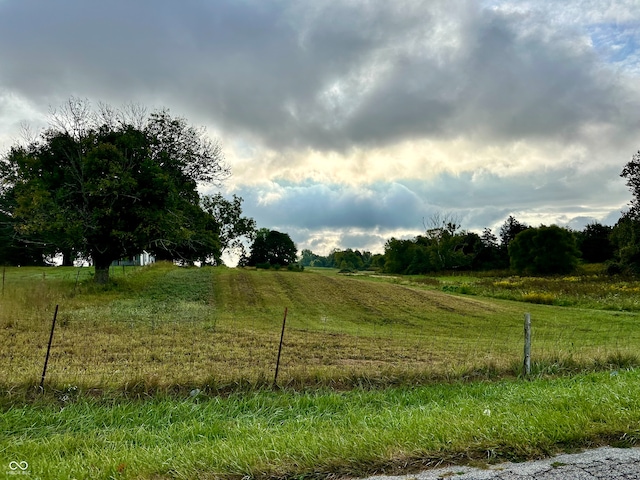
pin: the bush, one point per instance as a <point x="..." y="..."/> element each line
<point x="613" y="268"/>
<point x="462" y="289"/>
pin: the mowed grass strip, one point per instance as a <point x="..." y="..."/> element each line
<point x="163" y="326"/>
<point x="283" y="434"/>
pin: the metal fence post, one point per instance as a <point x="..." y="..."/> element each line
<point x="46" y="360"/>
<point x="275" y="378"/>
<point x="526" y="370"/>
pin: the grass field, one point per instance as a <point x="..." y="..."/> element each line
<point x="168" y="372"/>
<point x="166" y="327"/>
<point x="286" y="434"/>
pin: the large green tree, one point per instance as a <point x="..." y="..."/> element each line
<point x="106" y="185"/>
<point x="489" y="255"/>
<point x="595" y="244"/>
<point x="273" y="248"/>
<point x="625" y="238"/>
<point x="544" y="250"/>
<point x="508" y="231"/>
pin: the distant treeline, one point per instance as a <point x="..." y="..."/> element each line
<point x="446" y="247"/>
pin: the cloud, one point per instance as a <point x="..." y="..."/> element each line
<point x="322" y="206"/>
<point x="360" y="117"/>
<point x="329" y="76"/>
<point x="355" y="216"/>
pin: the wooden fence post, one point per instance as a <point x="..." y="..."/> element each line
<point x="526" y="370"/>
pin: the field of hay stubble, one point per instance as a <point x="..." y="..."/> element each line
<point x="218" y="328"/>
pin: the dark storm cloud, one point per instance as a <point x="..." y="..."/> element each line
<point x="318" y="206"/>
<point x="324" y="74"/>
<point x="511" y="78"/>
<point x="248" y="64"/>
<point x="476" y="200"/>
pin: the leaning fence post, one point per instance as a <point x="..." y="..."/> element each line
<point x="284" y="321"/>
<point x="46" y="359"/>
<point x="526" y="370"/>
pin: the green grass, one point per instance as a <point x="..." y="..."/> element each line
<point x="286" y="434"/>
<point x="167" y="372"/>
<point x="165" y="327"/>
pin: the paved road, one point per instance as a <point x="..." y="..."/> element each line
<point x="604" y="463"/>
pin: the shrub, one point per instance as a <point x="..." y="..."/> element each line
<point x="462" y="289"/>
<point x="613" y="268"/>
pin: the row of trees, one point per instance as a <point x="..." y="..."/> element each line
<point x="444" y="246"/>
<point x="518" y="246"/>
<point x="107" y="184"/>
<point x="541" y="250"/>
<point x="343" y="259"/>
<point x="525" y="249"/>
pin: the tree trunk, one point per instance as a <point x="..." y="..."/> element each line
<point x="67" y="258"/>
<point x="101" y="264"/>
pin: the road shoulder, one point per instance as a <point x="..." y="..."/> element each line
<point x="602" y="463"/>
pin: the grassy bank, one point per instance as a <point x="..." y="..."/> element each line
<point x="282" y="434"/>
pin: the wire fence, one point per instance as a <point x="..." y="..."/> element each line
<point x="128" y="352"/>
<point x="151" y="342"/>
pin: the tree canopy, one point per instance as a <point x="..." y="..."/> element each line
<point x="231" y="227"/>
<point x="106" y="185"/>
<point x="625" y="236"/>
<point x="595" y="244"/>
<point x="271" y="247"/>
<point x="544" y="250"/>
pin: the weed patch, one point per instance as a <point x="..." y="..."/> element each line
<point x="540" y="298"/>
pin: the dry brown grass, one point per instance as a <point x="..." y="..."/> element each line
<point x="166" y="326"/>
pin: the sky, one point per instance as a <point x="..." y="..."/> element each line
<point x="349" y="122"/>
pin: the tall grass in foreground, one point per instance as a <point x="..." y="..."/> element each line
<point x="167" y="328"/>
<point x="278" y="434"/>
